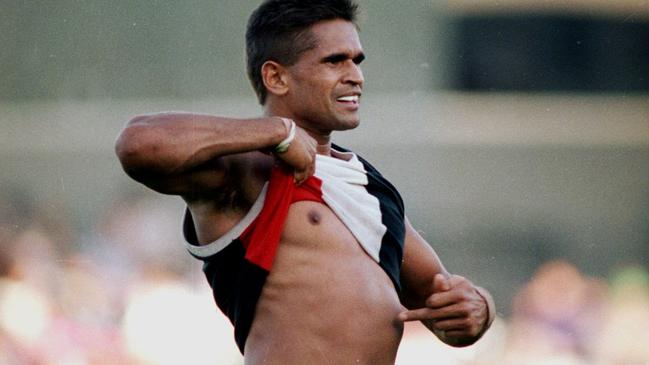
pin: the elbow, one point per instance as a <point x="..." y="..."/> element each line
<point x="133" y="146"/>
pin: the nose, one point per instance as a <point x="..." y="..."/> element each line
<point x="354" y="74"/>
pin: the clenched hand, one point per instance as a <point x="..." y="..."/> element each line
<point x="300" y="155"/>
<point x="455" y="311"/>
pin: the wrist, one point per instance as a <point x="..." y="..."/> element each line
<point x="290" y="136"/>
<point x="490" y="307"/>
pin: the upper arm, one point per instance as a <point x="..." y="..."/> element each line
<point x="148" y="161"/>
<point x="419" y="267"/>
<point x="191" y="155"/>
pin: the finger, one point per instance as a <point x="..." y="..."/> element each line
<point x="448" y="312"/>
<point x="460" y="292"/>
<point x="459" y="334"/>
<point x="300" y="176"/>
<point x="306" y="172"/>
<point x="441" y="283"/>
<point x="453" y="324"/>
<point x="458" y="279"/>
<point x="442" y="299"/>
<point x="423" y="314"/>
<point x="414" y="315"/>
<point x="457" y="326"/>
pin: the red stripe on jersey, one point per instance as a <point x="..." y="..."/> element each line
<point x="261" y="237"/>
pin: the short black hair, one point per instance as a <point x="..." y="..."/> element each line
<point x="278" y="31"/>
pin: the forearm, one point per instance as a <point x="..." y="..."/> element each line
<point x="172" y="143"/>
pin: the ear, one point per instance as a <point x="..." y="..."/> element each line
<point x="275" y="78"/>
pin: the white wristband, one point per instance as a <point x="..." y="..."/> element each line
<point x="283" y="145"/>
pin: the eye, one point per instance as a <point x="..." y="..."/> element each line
<point x="334" y="60"/>
<point x="338" y="59"/>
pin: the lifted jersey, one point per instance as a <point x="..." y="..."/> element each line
<point x="236" y="265"/>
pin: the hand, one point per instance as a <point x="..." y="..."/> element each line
<point x="300" y="155"/>
<point x="454" y="311"/>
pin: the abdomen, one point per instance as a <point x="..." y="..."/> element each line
<point x="325" y="301"/>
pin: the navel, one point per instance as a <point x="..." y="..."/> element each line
<point x="314" y="217"/>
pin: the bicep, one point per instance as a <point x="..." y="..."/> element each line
<point x="419" y="267"/>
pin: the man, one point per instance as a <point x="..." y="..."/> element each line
<point x="305" y="244"/>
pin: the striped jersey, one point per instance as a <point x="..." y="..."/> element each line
<point x="236" y="264"/>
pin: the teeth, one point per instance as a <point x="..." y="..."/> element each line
<point x="353" y="98"/>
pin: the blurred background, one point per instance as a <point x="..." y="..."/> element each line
<point x="516" y="130"/>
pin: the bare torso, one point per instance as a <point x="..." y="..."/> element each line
<point x="325" y="300"/>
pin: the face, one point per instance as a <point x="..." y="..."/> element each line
<point x="325" y="84"/>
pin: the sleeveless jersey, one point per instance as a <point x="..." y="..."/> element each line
<point x="236" y="265"/>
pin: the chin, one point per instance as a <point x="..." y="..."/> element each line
<point x="346" y="126"/>
<point x="348" y="123"/>
<point x="354" y="124"/>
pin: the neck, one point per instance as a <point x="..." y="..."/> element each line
<point x="323" y="140"/>
<point x="324" y="149"/>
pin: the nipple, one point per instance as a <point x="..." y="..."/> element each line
<point x="314" y="217"/>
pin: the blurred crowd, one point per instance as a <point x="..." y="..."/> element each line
<point x="124" y="291"/>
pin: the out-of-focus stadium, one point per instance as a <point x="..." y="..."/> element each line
<point x="516" y="130"/>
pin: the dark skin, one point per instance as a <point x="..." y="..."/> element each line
<point x="218" y="166"/>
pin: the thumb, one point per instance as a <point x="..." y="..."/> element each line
<point x="441" y="283"/>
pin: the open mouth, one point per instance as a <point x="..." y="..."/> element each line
<point x="349" y="99"/>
